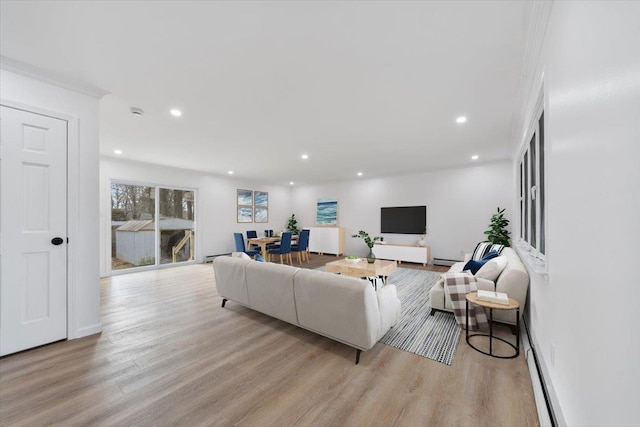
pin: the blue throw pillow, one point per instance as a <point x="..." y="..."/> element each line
<point x="258" y="258"/>
<point x="490" y="255"/>
<point x="474" y="265"/>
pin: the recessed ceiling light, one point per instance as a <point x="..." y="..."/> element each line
<point x="136" y="111"/>
<point x="291" y="182"/>
<point x="359" y="173"/>
<point x="461" y="119"/>
<point x="305" y="156"/>
<point x="175" y="112"/>
<point x="475" y="157"/>
<point x="230" y="172"/>
<point x="117" y="151"/>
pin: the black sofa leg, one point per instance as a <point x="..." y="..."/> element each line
<point x="433" y="311"/>
<point x="358" y="356"/>
<point x="224" y="300"/>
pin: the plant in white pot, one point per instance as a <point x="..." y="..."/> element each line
<point x="370" y="242"/>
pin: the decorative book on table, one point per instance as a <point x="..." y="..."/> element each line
<point x="496" y="297"/>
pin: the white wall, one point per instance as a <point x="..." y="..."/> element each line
<point x="84" y="286"/>
<point x="215" y="204"/>
<point x="588" y="309"/>
<point x="459" y="204"/>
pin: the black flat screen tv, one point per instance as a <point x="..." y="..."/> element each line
<point x="403" y="220"/>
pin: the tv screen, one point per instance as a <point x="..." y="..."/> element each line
<point x="403" y="220"/>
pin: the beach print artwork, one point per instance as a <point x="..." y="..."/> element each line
<point x="245" y="214"/>
<point x="327" y="212"/>
<point x="245" y="198"/>
<point x="261" y="198"/>
<point x="261" y="215"/>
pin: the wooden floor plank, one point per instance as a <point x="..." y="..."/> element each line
<point x="170" y="355"/>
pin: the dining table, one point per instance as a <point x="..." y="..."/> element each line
<point x="264" y="241"/>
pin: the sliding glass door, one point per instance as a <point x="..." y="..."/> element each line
<point x="151" y="225"/>
<point x="177" y="233"/>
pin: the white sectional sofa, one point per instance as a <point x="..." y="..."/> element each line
<point x="342" y="308"/>
<point x="513" y="281"/>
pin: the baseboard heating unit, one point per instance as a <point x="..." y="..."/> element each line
<point x="444" y="262"/>
<point x="546" y="414"/>
<point x="210" y="258"/>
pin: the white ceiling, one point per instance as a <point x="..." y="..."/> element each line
<point x="360" y="86"/>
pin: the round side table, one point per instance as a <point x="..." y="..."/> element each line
<point x="513" y="305"/>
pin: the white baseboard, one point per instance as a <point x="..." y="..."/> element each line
<point x="87" y="330"/>
<point x="541" y="405"/>
<point x="549" y="411"/>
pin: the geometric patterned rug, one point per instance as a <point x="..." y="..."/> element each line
<point x="435" y="337"/>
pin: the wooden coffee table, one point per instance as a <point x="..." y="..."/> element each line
<point x="378" y="269"/>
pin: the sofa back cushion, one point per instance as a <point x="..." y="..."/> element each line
<point x="491" y="268"/>
<point x="270" y="290"/>
<point x="514" y="280"/>
<point x="231" y="281"/>
<point x="342" y="308"/>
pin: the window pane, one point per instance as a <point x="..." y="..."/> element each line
<point x="177" y="236"/>
<point x="132" y="226"/>
<point x="532" y="157"/>
<point x="526" y="197"/>
<point x="541" y="185"/>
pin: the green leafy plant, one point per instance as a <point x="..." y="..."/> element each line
<point x="293" y="224"/>
<point x="368" y="240"/>
<point x="497" y="232"/>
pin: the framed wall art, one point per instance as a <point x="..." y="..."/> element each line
<point x="245" y="198"/>
<point x="327" y="211"/>
<point x="261" y="199"/>
<point x="245" y="205"/>
<point x="245" y="214"/>
<point x="260" y="214"/>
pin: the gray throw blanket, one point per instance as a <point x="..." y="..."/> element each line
<point x="457" y="286"/>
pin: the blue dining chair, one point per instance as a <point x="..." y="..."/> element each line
<point x="302" y="246"/>
<point x="284" y="248"/>
<point x="252" y="234"/>
<point x="240" y="245"/>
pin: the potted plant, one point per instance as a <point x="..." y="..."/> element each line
<point x="370" y="242"/>
<point x="497" y="232"/>
<point x="292" y="225"/>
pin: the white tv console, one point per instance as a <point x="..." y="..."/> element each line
<point x="408" y="253"/>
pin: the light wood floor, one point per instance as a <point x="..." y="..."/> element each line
<point x="170" y="355"/>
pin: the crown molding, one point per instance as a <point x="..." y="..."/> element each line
<point x="540" y="14"/>
<point x="27" y="70"/>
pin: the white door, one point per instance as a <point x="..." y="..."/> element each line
<point x="33" y="199"/>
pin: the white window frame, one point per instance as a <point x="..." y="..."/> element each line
<point x="157" y="187"/>
<point x="533" y="191"/>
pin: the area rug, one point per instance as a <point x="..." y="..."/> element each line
<point x="435" y="337"/>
